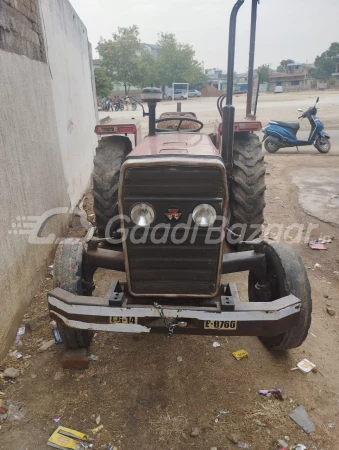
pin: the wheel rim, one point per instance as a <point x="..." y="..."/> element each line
<point x="323" y="144"/>
<point x="271" y="146"/>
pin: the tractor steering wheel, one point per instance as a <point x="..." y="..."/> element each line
<point x="181" y="120"/>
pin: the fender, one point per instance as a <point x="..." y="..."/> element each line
<point x="323" y="133"/>
<point x="272" y="138"/>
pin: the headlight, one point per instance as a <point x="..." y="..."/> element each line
<point x="204" y="215"/>
<point x="142" y="214"/>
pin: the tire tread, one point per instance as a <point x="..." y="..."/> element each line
<point x="247" y="197"/>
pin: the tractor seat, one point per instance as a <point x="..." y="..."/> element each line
<point x="293" y="125"/>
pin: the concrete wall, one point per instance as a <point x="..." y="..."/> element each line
<point x="38" y="144"/>
<point x="71" y="71"/>
<point x="287" y="86"/>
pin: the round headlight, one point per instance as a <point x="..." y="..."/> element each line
<point x="204" y="215"/>
<point x="142" y="214"/>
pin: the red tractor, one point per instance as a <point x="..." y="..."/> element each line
<point x="176" y="213"/>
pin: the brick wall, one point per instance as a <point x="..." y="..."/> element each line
<point x="20" y="28"/>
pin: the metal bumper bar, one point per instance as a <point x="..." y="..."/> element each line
<point x="245" y="319"/>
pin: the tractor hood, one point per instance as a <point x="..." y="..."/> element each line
<point x="176" y="144"/>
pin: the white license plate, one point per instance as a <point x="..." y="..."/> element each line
<point x="220" y="324"/>
<point x="124" y="320"/>
<point x="110" y="129"/>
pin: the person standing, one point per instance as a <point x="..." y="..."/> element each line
<point x="127" y="103"/>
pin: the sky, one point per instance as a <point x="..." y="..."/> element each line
<point x="286" y="29"/>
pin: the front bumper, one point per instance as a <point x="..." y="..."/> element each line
<point x="197" y="316"/>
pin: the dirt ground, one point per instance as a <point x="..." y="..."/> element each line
<point x="270" y="106"/>
<point x="147" y="400"/>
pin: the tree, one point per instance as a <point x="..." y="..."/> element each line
<point x="124" y="57"/>
<point x="102" y="82"/>
<point x="176" y="63"/>
<point x="327" y="63"/>
<point x="264" y="73"/>
<point x="283" y="65"/>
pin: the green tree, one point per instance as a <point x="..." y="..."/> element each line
<point x="176" y="63"/>
<point x="103" y="83"/>
<point x="264" y="73"/>
<point x="124" y="57"/>
<point x="283" y="65"/>
<point x="327" y="63"/>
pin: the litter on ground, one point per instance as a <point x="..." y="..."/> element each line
<point x="301" y="418"/>
<point x="57" y="337"/>
<point x="276" y="393"/>
<point x="242" y="444"/>
<point x="317" y="245"/>
<point x="305" y="366"/>
<point x="66" y="438"/>
<point x="21" y="332"/>
<point x="97" y="429"/>
<point x="240" y="354"/>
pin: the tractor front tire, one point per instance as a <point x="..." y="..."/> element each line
<point x="109" y="157"/>
<point x="247" y="188"/>
<point x="67" y="274"/>
<point x="286" y="275"/>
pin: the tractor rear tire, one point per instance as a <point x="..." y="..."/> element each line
<point x="67" y="274"/>
<point x="110" y="155"/>
<point x="247" y="189"/>
<point x="286" y="275"/>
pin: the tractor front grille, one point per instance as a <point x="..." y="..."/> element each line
<point x="155" y="267"/>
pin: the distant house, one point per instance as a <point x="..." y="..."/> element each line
<point x="217" y="78"/>
<point x="296" y="78"/>
<point x="152" y="48"/>
<point x="97" y="63"/>
<point x="335" y="75"/>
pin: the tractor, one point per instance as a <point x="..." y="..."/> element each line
<point x="175" y="212"/>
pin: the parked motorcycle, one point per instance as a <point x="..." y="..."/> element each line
<point x="119" y="106"/>
<point x="134" y="105"/>
<point x="108" y="105"/>
<point x="279" y="134"/>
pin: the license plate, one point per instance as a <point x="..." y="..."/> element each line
<point x="123" y="320"/>
<point x="110" y="129"/>
<point x="220" y="324"/>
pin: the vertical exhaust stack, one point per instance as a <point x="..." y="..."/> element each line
<point x="152" y="96"/>
<point x="251" y="58"/>
<point x="228" y="110"/>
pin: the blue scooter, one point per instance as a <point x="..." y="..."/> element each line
<point x="284" y="134"/>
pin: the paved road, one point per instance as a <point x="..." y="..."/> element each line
<point x="279" y="107"/>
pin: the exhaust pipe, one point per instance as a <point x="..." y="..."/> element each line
<point x="228" y="110"/>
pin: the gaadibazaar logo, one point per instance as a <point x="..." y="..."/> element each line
<point x="36" y="229"/>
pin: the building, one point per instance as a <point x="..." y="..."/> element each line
<point x="217" y="78"/>
<point x="97" y="63"/>
<point x="335" y="75"/>
<point x="295" y="79"/>
<point x="152" y="48"/>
